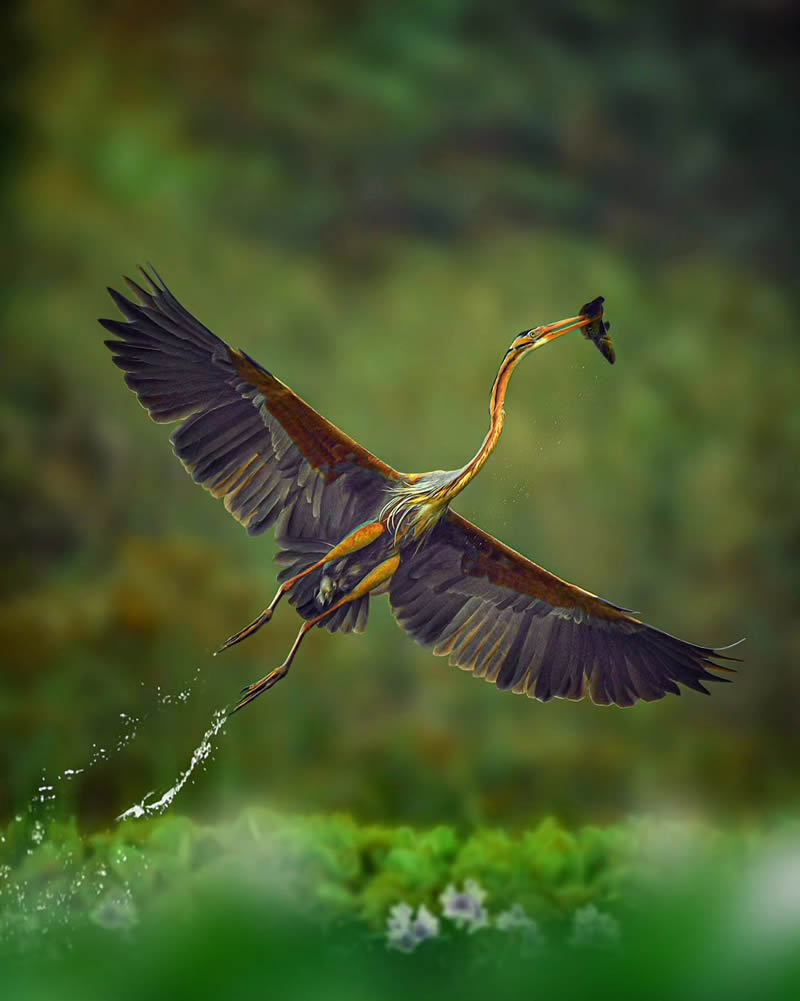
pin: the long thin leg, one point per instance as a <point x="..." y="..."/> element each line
<point x="357" y="539"/>
<point x="251" y="692"/>
<point x="373" y="579"/>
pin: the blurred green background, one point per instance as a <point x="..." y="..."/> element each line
<point x="372" y="200"/>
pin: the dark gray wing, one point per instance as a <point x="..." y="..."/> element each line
<point x="507" y="620"/>
<point x="245" y="436"/>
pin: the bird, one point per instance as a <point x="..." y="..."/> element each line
<point x="349" y="527"/>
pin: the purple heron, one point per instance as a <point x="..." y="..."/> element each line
<point x="349" y="527"/>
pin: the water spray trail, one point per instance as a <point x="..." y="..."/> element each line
<point x="80" y="891"/>
<point x="130" y="727"/>
<point x="204" y="749"/>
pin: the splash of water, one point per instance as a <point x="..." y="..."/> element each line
<point x="129" y="730"/>
<point x="200" y="753"/>
<point x="31" y="907"/>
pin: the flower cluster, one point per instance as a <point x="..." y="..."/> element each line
<point x="404" y="931"/>
<point x="465" y="908"/>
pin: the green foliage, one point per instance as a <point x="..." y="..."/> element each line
<point x="331" y="862"/>
<point x="328" y="862"/>
<point x="297" y="902"/>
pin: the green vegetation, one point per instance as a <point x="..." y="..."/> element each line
<point x="373" y="203"/>
<point x="326" y="862"/>
<point x="282" y="903"/>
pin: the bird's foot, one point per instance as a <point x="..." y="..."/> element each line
<point x="250" y="692"/>
<point x="255" y="625"/>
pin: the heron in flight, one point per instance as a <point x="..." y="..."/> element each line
<point x="349" y="527"/>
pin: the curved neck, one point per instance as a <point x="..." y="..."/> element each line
<point x="497" y="415"/>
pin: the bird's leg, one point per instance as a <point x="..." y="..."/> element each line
<point x="250" y="692"/>
<point x="357" y="539"/>
<point x="379" y="575"/>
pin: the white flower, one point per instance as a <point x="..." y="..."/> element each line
<point x="591" y="927"/>
<point x="405" y="932"/>
<point x="425" y="925"/>
<point x="465" y="907"/>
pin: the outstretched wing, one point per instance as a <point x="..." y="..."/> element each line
<point x="499" y="615"/>
<point x="245" y="436"/>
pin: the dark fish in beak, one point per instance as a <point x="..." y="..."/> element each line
<point x="597" y="330"/>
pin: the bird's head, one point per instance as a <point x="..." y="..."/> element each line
<point x="590" y="319"/>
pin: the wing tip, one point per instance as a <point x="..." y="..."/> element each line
<point x="137" y="290"/>
<point x="153" y="278"/>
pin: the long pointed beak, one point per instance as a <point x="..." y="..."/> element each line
<point x="553" y="330"/>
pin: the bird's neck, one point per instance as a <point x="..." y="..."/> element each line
<point x="497" y="419"/>
<point x="417" y="504"/>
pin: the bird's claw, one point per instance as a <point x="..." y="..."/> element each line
<point x="265" y="616"/>
<point x="251" y="692"/>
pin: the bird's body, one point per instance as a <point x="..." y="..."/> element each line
<point x="349" y="527"/>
